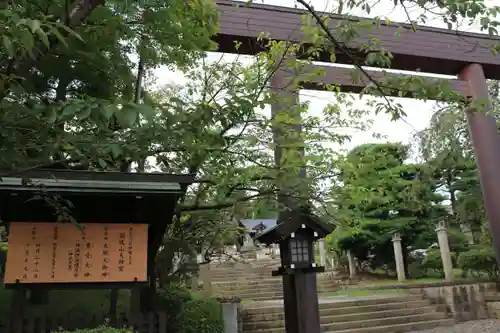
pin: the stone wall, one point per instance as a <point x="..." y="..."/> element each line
<point x="462" y="302"/>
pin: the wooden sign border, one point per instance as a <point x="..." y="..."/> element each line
<point x="83" y="285"/>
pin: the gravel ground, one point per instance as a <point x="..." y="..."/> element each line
<point x="479" y="326"/>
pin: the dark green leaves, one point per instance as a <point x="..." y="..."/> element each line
<point x="127" y="116"/>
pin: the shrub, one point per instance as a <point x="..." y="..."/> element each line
<point x="417" y="270"/>
<point x="434" y="263"/>
<point x="479" y="260"/>
<point x="201" y="316"/>
<point x="457" y="240"/>
<point x="3" y="257"/>
<point x="187" y="314"/>
<point x="101" y="329"/>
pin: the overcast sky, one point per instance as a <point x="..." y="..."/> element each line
<point x="418" y="112"/>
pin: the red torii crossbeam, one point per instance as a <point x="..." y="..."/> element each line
<point x="431" y="50"/>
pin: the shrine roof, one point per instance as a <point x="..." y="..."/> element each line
<point x="250" y="224"/>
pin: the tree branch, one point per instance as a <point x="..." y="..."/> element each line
<point x="74" y="16"/>
<point x="344" y="50"/>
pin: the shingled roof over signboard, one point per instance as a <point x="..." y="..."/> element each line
<point x="105" y="197"/>
<point x="428" y="49"/>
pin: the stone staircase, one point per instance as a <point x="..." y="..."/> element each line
<point x="253" y="280"/>
<point x="354" y="315"/>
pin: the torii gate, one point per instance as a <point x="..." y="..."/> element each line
<point x="427" y="50"/>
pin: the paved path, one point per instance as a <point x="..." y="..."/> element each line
<point x="479" y="326"/>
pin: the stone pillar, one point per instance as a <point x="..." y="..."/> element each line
<point x="322" y="252"/>
<point x="352" y="264"/>
<point x="248" y="243"/>
<point x="398" y="256"/>
<point x="230" y="312"/>
<point x="444" y="248"/>
<point x="196" y="278"/>
<point x="206" y="279"/>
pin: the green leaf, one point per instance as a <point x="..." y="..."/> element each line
<point x="34" y="26"/>
<point x="51" y="115"/>
<point x="127" y="116"/>
<point x="43" y="37"/>
<point x="8" y="46"/>
<point x="71" y="109"/>
<point x="108" y="111"/>
<point x="28" y="42"/>
<point x="59" y="36"/>
<point x="145" y="110"/>
<point x="102" y="163"/>
<point x="116" y="150"/>
<point x="85" y="113"/>
<point x="71" y="32"/>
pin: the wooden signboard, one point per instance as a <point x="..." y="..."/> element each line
<point x="65" y="253"/>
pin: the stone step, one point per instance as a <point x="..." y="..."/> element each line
<point x="249" y="278"/>
<point x="334" y="323"/>
<point x="397" y="328"/>
<point x="362" y="301"/>
<point x="242" y="277"/>
<point x="411" y="305"/>
<point x="337" y="303"/>
<point x="492" y="297"/>
<point x="268" y="276"/>
<point x="384" y="321"/>
<point x="249" y="294"/>
<point x="258" y="295"/>
<point x="402" y="326"/>
<point x="258" y="279"/>
<point x="328" y="315"/>
<point x="260" y="282"/>
<point x="266" y="285"/>
<point x="272" y="313"/>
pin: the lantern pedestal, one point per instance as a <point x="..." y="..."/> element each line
<point x="300" y="300"/>
<point x="295" y="235"/>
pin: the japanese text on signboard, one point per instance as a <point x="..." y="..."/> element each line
<point x="61" y="253"/>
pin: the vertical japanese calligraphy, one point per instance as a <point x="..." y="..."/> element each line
<point x="76" y="265"/>
<point x="121" y="250"/>
<point x="55" y="237"/>
<point x="105" y="254"/>
<point x="26" y="261"/>
<point x="130" y="247"/>
<point x="36" y="258"/>
<point x="66" y="253"/>
<point x="87" y="256"/>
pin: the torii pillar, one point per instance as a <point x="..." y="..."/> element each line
<point x="300" y="294"/>
<point x="486" y="143"/>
